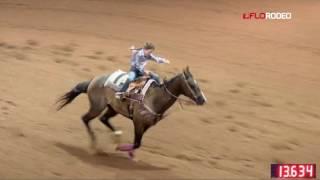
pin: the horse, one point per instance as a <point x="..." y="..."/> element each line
<point x="158" y="99"/>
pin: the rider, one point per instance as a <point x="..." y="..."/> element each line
<point x="139" y="59"/>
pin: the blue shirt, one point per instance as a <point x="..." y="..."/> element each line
<point x="139" y="59"/>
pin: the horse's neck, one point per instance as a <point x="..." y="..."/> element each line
<point x="160" y="99"/>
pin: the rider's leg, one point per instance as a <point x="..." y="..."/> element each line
<point x="155" y="77"/>
<point x="131" y="77"/>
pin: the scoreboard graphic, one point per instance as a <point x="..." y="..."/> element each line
<point x="295" y="171"/>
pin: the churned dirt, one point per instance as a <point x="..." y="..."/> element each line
<point x="261" y="78"/>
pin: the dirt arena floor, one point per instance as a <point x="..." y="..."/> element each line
<point x="261" y="78"/>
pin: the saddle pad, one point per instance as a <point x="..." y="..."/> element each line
<point x="116" y="80"/>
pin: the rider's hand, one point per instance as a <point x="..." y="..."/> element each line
<point x="132" y="47"/>
<point x="146" y="72"/>
<point x="167" y="61"/>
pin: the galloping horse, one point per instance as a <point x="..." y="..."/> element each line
<point x="145" y="114"/>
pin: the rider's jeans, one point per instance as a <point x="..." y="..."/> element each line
<point x="133" y="74"/>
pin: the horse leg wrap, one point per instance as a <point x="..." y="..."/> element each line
<point x="131" y="154"/>
<point x="125" y="147"/>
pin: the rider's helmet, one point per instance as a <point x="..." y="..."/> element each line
<point x="148" y="45"/>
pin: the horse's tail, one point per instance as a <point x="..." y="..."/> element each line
<point x="72" y="94"/>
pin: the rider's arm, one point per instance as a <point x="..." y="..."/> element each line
<point x="134" y="49"/>
<point x="158" y="59"/>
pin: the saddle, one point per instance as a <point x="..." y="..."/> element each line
<point x="136" y="89"/>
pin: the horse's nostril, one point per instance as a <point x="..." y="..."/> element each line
<point x="200" y="100"/>
<point x="203" y="102"/>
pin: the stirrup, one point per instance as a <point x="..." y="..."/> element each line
<point x="119" y="95"/>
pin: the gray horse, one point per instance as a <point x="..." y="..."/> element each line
<point x="144" y="114"/>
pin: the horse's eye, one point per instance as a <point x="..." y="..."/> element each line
<point x="192" y="85"/>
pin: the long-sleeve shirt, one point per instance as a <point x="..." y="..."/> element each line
<point x="139" y="59"/>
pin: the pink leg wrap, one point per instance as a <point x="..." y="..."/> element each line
<point x="125" y="147"/>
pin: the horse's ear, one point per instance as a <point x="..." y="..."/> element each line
<point x="188" y="69"/>
<point x="184" y="71"/>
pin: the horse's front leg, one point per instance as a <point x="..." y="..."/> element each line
<point x="139" y="130"/>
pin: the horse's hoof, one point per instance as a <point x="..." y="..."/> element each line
<point x="116" y="137"/>
<point x="131" y="155"/>
<point x="93" y="151"/>
<point x="117" y="132"/>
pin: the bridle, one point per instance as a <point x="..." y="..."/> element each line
<point x="159" y="116"/>
<point x="178" y="98"/>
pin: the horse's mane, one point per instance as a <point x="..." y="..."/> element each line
<point x="165" y="81"/>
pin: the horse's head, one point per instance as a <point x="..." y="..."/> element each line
<point x="191" y="88"/>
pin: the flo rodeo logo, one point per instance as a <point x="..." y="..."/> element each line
<point x="267" y="16"/>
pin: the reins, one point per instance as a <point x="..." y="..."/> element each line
<point x="178" y="98"/>
<point x="171" y="94"/>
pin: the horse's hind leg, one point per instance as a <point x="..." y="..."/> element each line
<point x="105" y="119"/>
<point x="98" y="103"/>
<point x="91" y="114"/>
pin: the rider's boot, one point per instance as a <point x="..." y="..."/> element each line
<point x="155" y="77"/>
<point x="120" y="93"/>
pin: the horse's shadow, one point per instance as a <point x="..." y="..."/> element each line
<point x="113" y="160"/>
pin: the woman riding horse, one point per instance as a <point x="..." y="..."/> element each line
<point x="139" y="60"/>
<point x="158" y="99"/>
